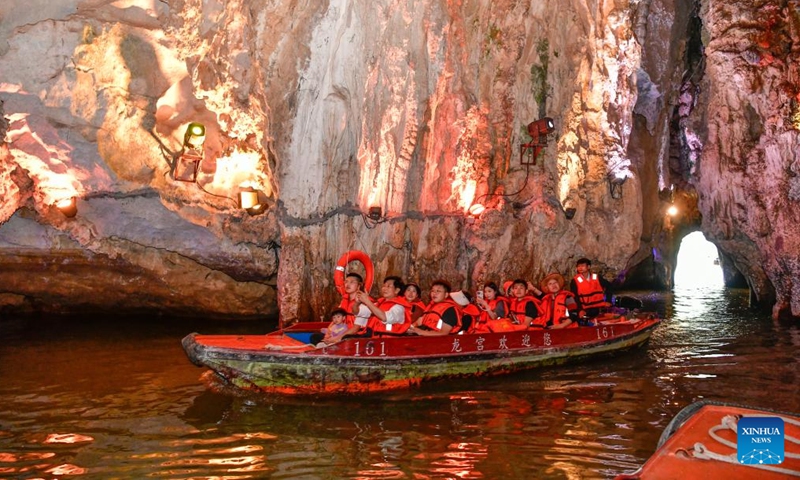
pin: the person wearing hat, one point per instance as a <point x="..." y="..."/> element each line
<point x="557" y="304"/>
<point x="589" y="289"/>
<point x="443" y="315"/>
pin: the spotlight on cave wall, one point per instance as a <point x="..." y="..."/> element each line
<point x="474" y="212"/>
<point x="538" y="130"/>
<point x="188" y="161"/>
<point x="615" y="185"/>
<point x="195" y="135"/>
<point x="68" y="207"/>
<point x="476" y="209"/>
<point x="254" y="202"/>
<point x="374" y="213"/>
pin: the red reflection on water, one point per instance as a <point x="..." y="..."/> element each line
<point x="11" y="457"/>
<point x="67" y="469"/>
<point x="67" y="438"/>
<point x="368" y="474"/>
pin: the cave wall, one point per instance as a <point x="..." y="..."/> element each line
<point x="744" y="128"/>
<point x="328" y="109"/>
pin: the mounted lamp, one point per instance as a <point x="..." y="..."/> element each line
<point x="476" y="210"/>
<point x="374" y="213"/>
<point x="195" y="135"/>
<point x="538" y="130"/>
<point x="68" y="207"/>
<point x="252" y="201"/>
<point x="615" y="186"/>
<point x="188" y="161"/>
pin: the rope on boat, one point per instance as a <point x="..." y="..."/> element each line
<point x="730" y="422"/>
<point x="318" y="346"/>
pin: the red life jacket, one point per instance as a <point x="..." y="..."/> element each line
<point x="386" y="304"/>
<point x="417" y="309"/>
<point x="518" y="305"/>
<point x="590" y="292"/>
<point x="469" y="316"/>
<point x="554" y="309"/>
<point x="481" y="324"/>
<point x="432" y="318"/>
<point x="350" y="319"/>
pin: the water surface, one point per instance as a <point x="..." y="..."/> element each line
<point x="117" y="398"/>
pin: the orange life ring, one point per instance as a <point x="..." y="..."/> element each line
<point x="341" y="265"/>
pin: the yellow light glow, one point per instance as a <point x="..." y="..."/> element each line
<point x="248" y="199"/>
<point x="65" y="203"/>
<point x="476" y="209"/>
<point x="672" y="210"/>
<point x="241" y="169"/>
<point x="67" y="206"/>
<point x="468" y="193"/>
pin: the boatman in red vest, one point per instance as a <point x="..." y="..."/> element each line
<point x="589" y="290"/>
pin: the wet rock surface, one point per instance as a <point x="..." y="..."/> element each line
<point x="329" y="109"/>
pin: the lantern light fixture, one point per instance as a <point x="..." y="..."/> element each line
<point x="476" y="209"/>
<point x="68" y="207"/>
<point x="195" y="135"/>
<point x="538" y="131"/>
<point x="615" y="183"/>
<point x="188" y="161"/>
<point x="374" y="213"/>
<point x="252" y="201"/>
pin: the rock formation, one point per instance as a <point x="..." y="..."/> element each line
<point x="328" y="110"/>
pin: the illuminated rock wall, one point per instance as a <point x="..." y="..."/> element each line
<point x="328" y="109"/>
<point x="748" y="123"/>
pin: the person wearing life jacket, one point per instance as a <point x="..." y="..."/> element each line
<point x="492" y="306"/>
<point x="524" y="308"/>
<point x="469" y="311"/>
<point x="557" y="304"/>
<point x="413" y="295"/>
<point x="391" y="314"/>
<point x="443" y="315"/>
<point x="589" y="289"/>
<point x="357" y="313"/>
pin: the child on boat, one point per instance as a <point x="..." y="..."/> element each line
<point x="337" y="328"/>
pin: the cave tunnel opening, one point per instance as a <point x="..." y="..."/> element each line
<point x="698" y="264"/>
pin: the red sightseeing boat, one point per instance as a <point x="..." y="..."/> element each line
<point x="283" y="362"/>
<point x="701" y="443"/>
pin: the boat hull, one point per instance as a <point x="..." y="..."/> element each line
<point x="277" y="363"/>
<point x="701" y="443"/>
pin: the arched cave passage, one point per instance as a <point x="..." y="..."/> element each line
<point x="697" y="264"/>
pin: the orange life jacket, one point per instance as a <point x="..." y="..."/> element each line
<point x="386" y="304"/>
<point x="481" y="324"/>
<point x="432" y="318"/>
<point x="590" y="292"/>
<point x="554" y="309"/>
<point x="417" y="309"/>
<point x="350" y="318"/>
<point x="518" y="305"/>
